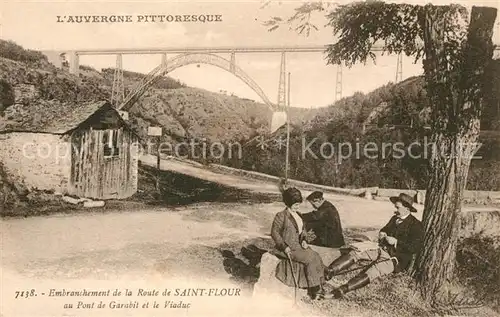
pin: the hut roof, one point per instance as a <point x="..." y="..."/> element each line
<point x="48" y="116"/>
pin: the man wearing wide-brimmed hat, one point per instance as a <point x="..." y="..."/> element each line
<point x="399" y="240"/>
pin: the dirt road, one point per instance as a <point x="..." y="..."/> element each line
<point x="206" y="174"/>
<point x="155" y="244"/>
<point x="108" y="245"/>
<point x="147" y="243"/>
<point x="158" y="245"/>
<point x="138" y="241"/>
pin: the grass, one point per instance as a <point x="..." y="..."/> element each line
<point x="396" y="294"/>
<point x="37" y="203"/>
<point x="176" y="190"/>
<point x="390" y="297"/>
<point x="180" y="189"/>
<point x="478" y="263"/>
<point x="393" y="296"/>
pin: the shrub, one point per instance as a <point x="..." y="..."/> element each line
<point x="11" y="50"/>
<point x="88" y="68"/>
<point x="478" y="263"/>
<point x="7" y="97"/>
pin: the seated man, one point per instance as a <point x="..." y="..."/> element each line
<point x="399" y="240"/>
<point x="324" y="221"/>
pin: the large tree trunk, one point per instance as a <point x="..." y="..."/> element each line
<point x="441" y="219"/>
<point x="454" y="79"/>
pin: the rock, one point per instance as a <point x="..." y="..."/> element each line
<point x="93" y="203"/>
<point x="268" y="285"/>
<point x="419" y="197"/>
<point x="11" y="193"/>
<point x="368" y="195"/>
<point x="124" y="115"/>
<point x="20" y="188"/>
<point x="481" y="222"/>
<point x="25" y="93"/>
<point x="71" y="200"/>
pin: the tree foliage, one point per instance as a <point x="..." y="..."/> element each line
<point x="361" y="25"/>
<point x="342" y="122"/>
<point x="456" y="50"/>
<point x="300" y="21"/>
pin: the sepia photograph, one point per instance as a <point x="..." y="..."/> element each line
<point x="250" y="158"/>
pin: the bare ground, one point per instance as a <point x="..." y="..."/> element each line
<point x="148" y="242"/>
<point x="171" y="237"/>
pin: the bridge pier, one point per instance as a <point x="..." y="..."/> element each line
<point x="279" y="117"/>
<point x="118" y="89"/>
<point x="164" y="59"/>
<point x="278" y="120"/>
<point x="74" y="63"/>
<point x="338" y="83"/>
<point x="232" y="67"/>
<point x="282" y="84"/>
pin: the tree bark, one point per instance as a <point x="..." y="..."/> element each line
<point x="456" y="98"/>
<point x="441" y="219"/>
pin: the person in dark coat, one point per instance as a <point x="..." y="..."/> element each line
<point x="289" y="235"/>
<point x="324" y="221"/>
<point x="399" y="240"/>
<point x="402" y="236"/>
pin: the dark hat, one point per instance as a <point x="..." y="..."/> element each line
<point x="291" y="196"/>
<point x="317" y="195"/>
<point x="404" y="199"/>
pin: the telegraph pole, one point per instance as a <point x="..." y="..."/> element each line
<point x="157" y="132"/>
<point x="287" y="132"/>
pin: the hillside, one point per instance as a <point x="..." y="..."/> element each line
<point x="187" y="112"/>
<point x="394" y="115"/>
<point x="406" y="101"/>
<point x="28" y="81"/>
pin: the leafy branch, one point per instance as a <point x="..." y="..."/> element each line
<point x="300" y="21"/>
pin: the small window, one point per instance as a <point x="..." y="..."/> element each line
<point x="110" y="141"/>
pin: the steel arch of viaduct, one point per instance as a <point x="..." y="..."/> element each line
<point x="188" y="59"/>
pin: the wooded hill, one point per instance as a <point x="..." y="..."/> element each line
<point x="402" y="116"/>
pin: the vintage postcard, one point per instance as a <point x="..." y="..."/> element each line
<point x="249" y="158"/>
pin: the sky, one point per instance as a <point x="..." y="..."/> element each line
<point x="33" y="24"/>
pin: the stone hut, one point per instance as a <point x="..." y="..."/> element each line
<point x="86" y="150"/>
